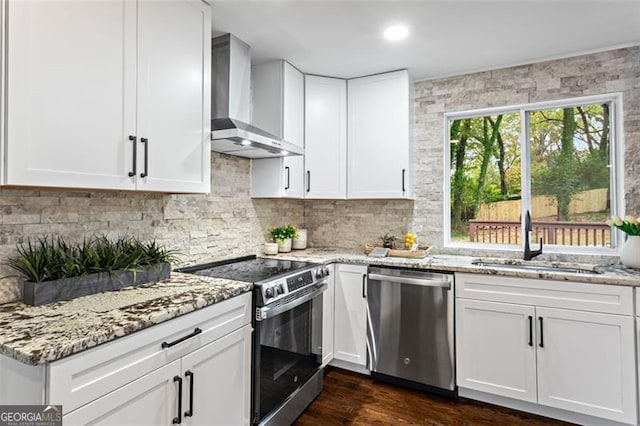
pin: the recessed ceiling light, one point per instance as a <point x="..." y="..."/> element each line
<point x="283" y="152"/>
<point x="396" y="32"/>
<point x="245" y="142"/>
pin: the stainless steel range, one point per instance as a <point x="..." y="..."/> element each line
<point x="287" y="339"/>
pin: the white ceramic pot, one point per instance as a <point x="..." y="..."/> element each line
<point x="284" y="246"/>
<point x="270" y="248"/>
<point x="630" y="253"/>
<point x="300" y="242"/>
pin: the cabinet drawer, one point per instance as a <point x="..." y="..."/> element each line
<point x="81" y="378"/>
<point x="610" y="299"/>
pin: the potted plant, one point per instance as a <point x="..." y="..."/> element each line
<point x="630" y="253"/>
<point x="283" y="235"/>
<point x="56" y="270"/>
<point x="388" y="240"/>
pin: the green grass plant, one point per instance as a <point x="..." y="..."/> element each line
<point x="51" y="258"/>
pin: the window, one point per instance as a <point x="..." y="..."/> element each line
<point x="556" y="160"/>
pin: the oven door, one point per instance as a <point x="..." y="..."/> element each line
<point x="287" y="349"/>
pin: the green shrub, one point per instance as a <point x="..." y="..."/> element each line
<point x="51" y="258"/>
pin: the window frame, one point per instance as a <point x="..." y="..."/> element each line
<point x="616" y="153"/>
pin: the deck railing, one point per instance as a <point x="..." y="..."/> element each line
<point x="560" y="233"/>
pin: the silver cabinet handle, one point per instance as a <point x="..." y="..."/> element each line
<point x="407" y="280"/>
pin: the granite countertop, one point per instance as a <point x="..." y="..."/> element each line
<point x="40" y="334"/>
<point x="610" y="274"/>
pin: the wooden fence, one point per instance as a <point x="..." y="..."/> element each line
<point x="559" y="233"/>
<point x="594" y="200"/>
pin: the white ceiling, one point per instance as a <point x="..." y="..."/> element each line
<point x="447" y="37"/>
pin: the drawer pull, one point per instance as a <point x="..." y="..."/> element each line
<point x="166" y="345"/>
<point x="178" y="420"/>
<point x="132" y="173"/>
<point x="145" y="141"/>
<point x="189" y="412"/>
<point x="404" y="189"/>
<point x="288" y="171"/>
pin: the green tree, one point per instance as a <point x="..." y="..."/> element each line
<point x="559" y="179"/>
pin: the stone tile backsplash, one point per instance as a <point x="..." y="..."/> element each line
<point x="225" y="223"/>
<point x="229" y="223"/>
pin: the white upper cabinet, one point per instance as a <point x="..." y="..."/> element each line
<point x="174" y="92"/>
<point x="278" y="108"/>
<point x="278" y="100"/>
<point x="71" y="98"/>
<point x="378" y="135"/>
<point x="325" y="137"/>
<point x="87" y="81"/>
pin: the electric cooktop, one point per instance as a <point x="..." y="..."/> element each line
<point x="250" y="268"/>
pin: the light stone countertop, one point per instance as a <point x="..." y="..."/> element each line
<point x="40" y="334"/>
<point x="610" y="274"/>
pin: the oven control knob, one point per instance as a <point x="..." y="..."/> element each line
<point x="269" y="292"/>
<point x="322" y="272"/>
<point x="279" y="289"/>
<point x="318" y="273"/>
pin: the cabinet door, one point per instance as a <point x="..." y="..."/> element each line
<point x="278" y="108"/>
<point x="150" y="400"/>
<point x="174" y="92"/>
<point x="277" y="177"/>
<point x="71" y="93"/>
<point x="378" y="148"/>
<point x="586" y="363"/>
<point x="293" y="105"/>
<point x="220" y="376"/>
<point x="325" y="137"/>
<point x="328" y="317"/>
<point x="350" y="314"/>
<point x="495" y="345"/>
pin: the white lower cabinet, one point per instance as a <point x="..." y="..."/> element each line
<point x="568" y="359"/>
<point x="219" y="374"/>
<point x="495" y="353"/>
<point x="350" y="314"/>
<point x="150" y="400"/>
<point x="586" y="363"/>
<point x="136" y="379"/>
<point x="328" y="322"/>
<point x="214" y="381"/>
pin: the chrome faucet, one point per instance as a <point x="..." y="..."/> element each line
<point x="528" y="253"/>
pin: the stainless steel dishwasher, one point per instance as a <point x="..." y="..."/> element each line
<point x="410" y="328"/>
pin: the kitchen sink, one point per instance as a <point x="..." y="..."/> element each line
<point x="538" y="267"/>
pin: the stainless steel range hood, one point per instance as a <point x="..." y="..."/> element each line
<point x="230" y="105"/>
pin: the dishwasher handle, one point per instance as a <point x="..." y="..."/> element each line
<point x="414" y="281"/>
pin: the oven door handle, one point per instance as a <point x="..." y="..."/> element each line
<point x="267" y="312"/>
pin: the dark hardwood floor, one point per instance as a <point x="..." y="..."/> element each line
<point x="353" y="399"/>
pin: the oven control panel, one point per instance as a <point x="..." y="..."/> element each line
<point x="299" y="281"/>
<point x="280" y="288"/>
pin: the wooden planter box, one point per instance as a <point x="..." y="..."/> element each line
<point x="36" y="294"/>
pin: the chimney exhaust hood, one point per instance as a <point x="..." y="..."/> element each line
<point x="230" y="105"/>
